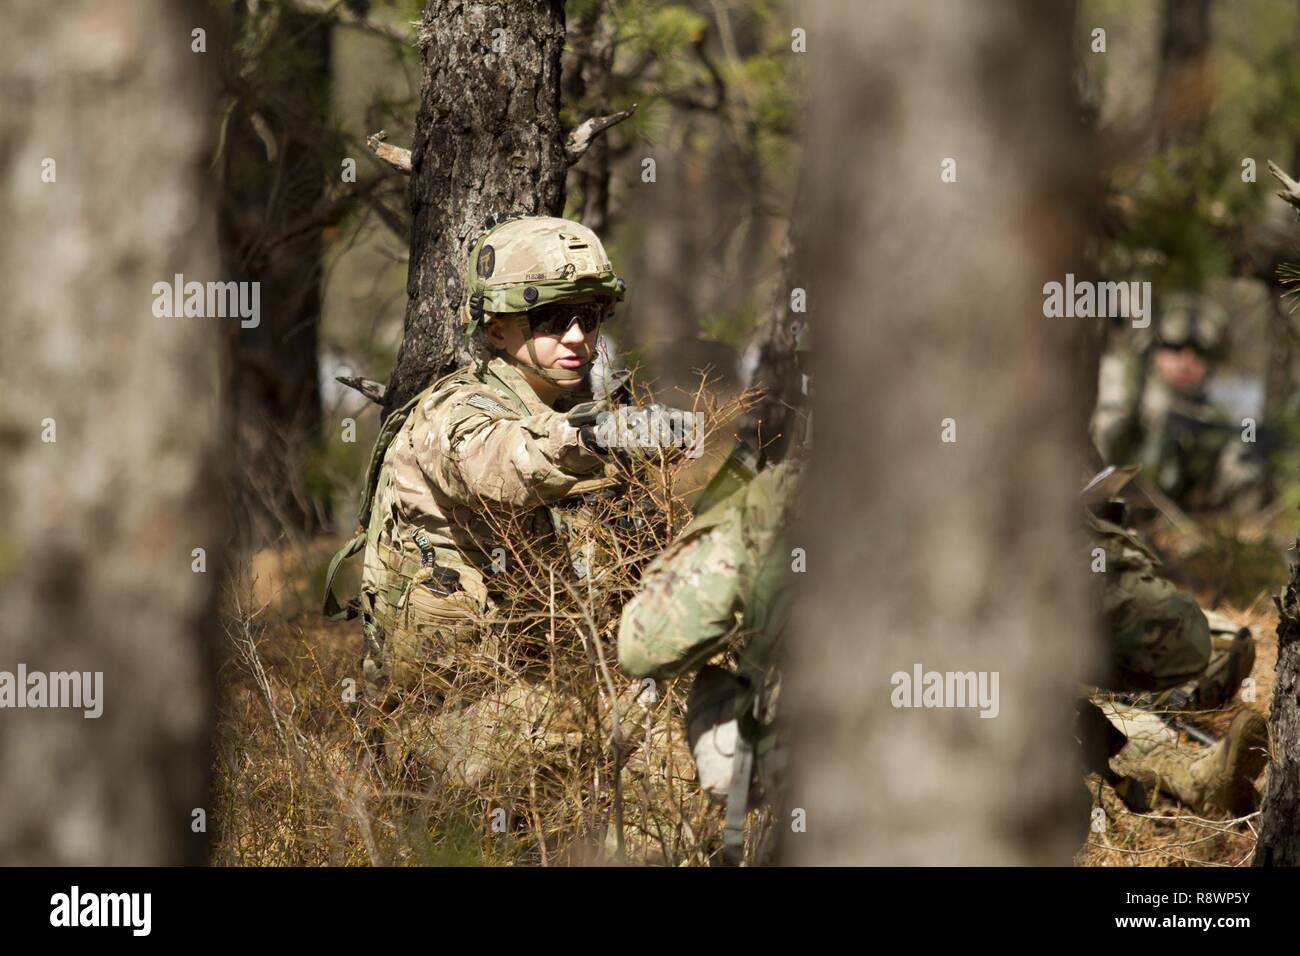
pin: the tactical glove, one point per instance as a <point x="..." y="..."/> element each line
<point x="634" y="429"/>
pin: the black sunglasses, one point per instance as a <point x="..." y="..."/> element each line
<point x="555" y="318"/>
<point x="1192" y="344"/>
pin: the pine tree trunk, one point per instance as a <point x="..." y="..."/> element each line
<point x="487" y="139"/>
<point x="926" y="299"/>
<point x="1279" y="832"/>
<point x="98" y="525"/>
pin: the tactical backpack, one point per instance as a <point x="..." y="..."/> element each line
<point x="387" y="432"/>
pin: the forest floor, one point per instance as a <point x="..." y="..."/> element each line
<point x="293" y="786"/>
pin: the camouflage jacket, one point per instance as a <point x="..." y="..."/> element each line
<point x="479" y="448"/>
<point x="1158" y="636"/>
<point x="729" y="567"/>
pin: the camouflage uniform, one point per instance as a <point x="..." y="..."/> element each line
<point x="726" y="574"/>
<point x="475" y="452"/>
<point x="477" y="445"/>
<point x="1161" y="641"/>
<point x="1159" y="637"/>
<point x="1191" y="450"/>
<point x="719" y="567"/>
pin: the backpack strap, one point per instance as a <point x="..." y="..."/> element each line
<point x="331" y="607"/>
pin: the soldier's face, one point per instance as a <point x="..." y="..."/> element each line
<point x="1183" y="369"/>
<point x="571" y="349"/>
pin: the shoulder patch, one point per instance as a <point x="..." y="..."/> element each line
<point x="487" y="404"/>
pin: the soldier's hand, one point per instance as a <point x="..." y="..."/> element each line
<point x="641" y="430"/>
<point x="584" y="417"/>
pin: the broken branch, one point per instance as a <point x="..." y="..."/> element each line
<point x="1292" y="191"/>
<point x="585" y="132"/>
<point x="395" y="156"/>
<point x="368" y="387"/>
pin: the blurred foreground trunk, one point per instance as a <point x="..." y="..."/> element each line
<point x="943" y="527"/>
<point x="107" y="429"/>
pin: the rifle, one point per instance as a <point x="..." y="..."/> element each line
<point x="1167" y="706"/>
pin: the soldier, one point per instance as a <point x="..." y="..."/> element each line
<point x="494" y="446"/>
<point x="729" y="562"/>
<point x="726" y="575"/>
<point x="1170" y="656"/>
<point x="1153" y="409"/>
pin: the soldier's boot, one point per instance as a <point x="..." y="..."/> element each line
<point x="1100" y="740"/>
<point x="1215" y="780"/>
<point x="520" y="724"/>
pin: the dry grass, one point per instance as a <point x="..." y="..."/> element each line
<point x="600" y="774"/>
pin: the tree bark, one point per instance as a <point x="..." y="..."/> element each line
<point x="487" y="140"/>
<point x="273" y="199"/>
<point x="97" y="525"/>
<point x="927" y="302"/>
<point x="1279" y="831"/>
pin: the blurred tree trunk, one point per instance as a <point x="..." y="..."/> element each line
<point x="1279" y="831"/>
<point x="273" y="200"/>
<point x="487" y="140"/>
<point x="958" y="556"/>
<point x="97" y="526"/>
<point x="1183" y="88"/>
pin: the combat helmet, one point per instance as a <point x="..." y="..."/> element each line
<point x="520" y="262"/>
<point x="1193" y="320"/>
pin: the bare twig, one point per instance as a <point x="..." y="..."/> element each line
<point x="368" y="387"/>
<point x="586" y="132"/>
<point x="1291" y="192"/>
<point x="395" y="156"/>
